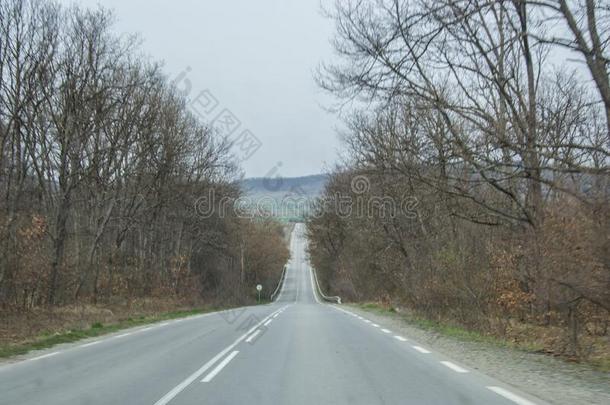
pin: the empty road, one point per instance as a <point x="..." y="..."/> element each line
<point x="296" y="350"/>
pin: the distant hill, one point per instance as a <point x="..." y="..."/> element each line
<point x="287" y="198"/>
<point x="311" y="186"/>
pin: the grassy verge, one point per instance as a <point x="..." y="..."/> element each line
<point x="47" y="340"/>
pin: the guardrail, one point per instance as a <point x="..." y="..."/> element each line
<point x="279" y="285"/>
<point x="335" y="299"/>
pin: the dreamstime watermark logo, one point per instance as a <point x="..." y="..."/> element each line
<point x="360" y="184"/>
<point x="244" y="321"/>
<point x="227" y="125"/>
<point x="253" y="207"/>
<point x="358" y="202"/>
<point x="273" y="180"/>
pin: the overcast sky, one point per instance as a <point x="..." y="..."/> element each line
<point x="257" y="60"/>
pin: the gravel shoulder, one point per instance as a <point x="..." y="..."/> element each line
<point x="543" y="376"/>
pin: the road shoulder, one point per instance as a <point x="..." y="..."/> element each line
<point x="540" y="375"/>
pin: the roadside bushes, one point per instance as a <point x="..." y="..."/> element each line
<point x="460" y="106"/>
<point x="546" y="286"/>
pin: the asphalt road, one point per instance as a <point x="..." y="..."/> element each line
<point x="294" y="351"/>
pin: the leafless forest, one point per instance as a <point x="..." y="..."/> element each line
<point x="495" y="117"/>
<point x="101" y="164"/>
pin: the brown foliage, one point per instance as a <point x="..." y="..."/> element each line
<point x="546" y="286"/>
<point x="506" y="156"/>
<point x="102" y="169"/>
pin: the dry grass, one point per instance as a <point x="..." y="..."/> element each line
<point x="17" y="328"/>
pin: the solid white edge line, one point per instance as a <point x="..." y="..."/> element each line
<point x="108" y="338"/>
<point x="185" y="383"/>
<point x="421" y="349"/>
<point x="509" y="395"/>
<point x="402" y="339"/>
<point x="220" y="366"/>
<point x="268" y="322"/>
<point x="252" y="336"/>
<point x="454" y="367"/>
<point x="91" y="343"/>
<point x="44" y="356"/>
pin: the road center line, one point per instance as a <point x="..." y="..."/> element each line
<point x="252" y="336"/>
<point x="454" y="367"/>
<point x="421" y="349"/>
<point x="375" y="325"/>
<point x="180" y="387"/>
<point x="220" y="366"/>
<point x="509" y="395"/>
<point x="397" y="337"/>
<point x="268" y="322"/>
<point x="386" y="331"/>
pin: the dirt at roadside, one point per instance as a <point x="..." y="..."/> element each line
<point x="546" y="377"/>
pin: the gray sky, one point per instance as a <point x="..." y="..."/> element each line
<point x="257" y="59"/>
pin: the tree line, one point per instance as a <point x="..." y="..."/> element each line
<point x="495" y="117"/>
<point x="101" y="167"/>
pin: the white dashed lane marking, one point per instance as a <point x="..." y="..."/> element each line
<point x="252" y="336"/>
<point x="510" y="396"/>
<point x="219" y="367"/>
<point x="454" y="367"/>
<point x="190" y="379"/>
<point x="458" y="369"/>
